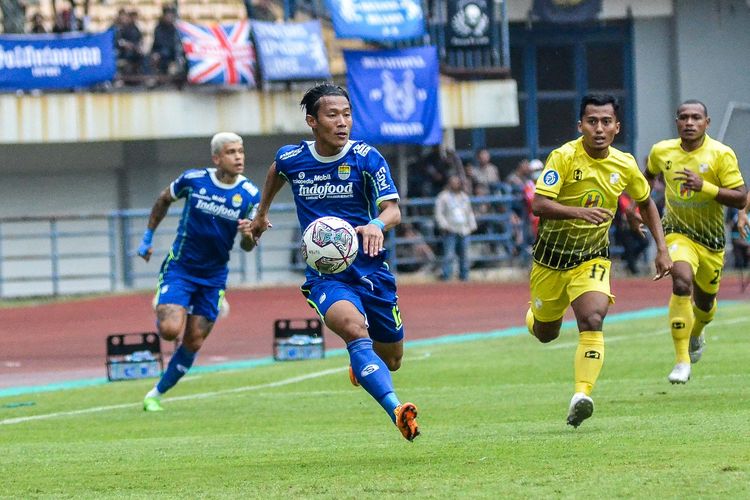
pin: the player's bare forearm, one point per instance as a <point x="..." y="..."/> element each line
<point x="650" y="216"/>
<point x="390" y="214"/>
<point x="548" y="208"/>
<point x="272" y="185"/>
<point x="734" y="198"/>
<point x="247" y="242"/>
<point x="160" y="209"/>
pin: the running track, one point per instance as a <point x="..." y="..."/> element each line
<point x="66" y="340"/>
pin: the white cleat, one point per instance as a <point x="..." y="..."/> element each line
<point x="696" y="348"/>
<point x="680" y="374"/>
<point x="581" y="408"/>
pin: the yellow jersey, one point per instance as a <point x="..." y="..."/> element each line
<point x="572" y="178"/>
<point x="696" y="215"/>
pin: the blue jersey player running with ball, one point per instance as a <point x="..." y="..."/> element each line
<point x="219" y="203"/>
<point x="334" y="176"/>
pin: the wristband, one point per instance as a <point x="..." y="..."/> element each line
<point x="710" y="189"/>
<point x="379" y="223"/>
<point x="148" y="236"/>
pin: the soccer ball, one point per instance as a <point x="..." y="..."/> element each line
<point x="329" y="245"/>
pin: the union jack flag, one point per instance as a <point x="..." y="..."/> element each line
<point x="218" y="53"/>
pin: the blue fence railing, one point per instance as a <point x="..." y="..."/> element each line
<point x="89" y="253"/>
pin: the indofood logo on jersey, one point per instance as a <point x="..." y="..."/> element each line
<point x="327" y="190"/>
<point x="592" y="199"/>
<point x="217" y="209"/>
<point x="344" y="171"/>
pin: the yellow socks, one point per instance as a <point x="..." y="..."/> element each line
<point x="530" y="322"/>
<point x="589" y="360"/>
<point x="702" y="318"/>
<point x="681" y="321"/>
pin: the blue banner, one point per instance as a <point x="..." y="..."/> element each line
<point x="567" y="11"/>
<point x="56" y="61"/>
<point x="293" y="51"/>
<point x="377" y="19"/>
<point x="395" y="95"/>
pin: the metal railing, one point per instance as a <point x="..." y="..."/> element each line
<point x="90" y="253"/>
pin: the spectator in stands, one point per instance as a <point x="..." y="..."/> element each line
<point x="416" y="251"/>
<point x="128" y="41"/>
<point x="535" y="168"/>
<point x="432" y="171"/>
<point x="520" y="175"/>
<point x="14" y="16"/>
<point x="66" y="20"/>
<point x="486" y="172"/>
<point x="263" y="10"/>
<point x="37" y="24"/>
<point x="740" y="245"/>
<point x="456" y="221"/>
<point x="166" y="51"/>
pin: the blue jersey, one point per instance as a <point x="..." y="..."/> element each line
<point x="349" y="185"/>
<point x="208" y="226"/>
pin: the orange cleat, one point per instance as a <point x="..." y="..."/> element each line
<point x="406" y="420"/>
<point x="352" y="378"/>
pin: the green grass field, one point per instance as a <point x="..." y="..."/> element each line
<point x="492" y="412"/>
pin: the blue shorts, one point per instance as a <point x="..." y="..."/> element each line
<point x="373" y="295"/>
<point x="199" y="299"/>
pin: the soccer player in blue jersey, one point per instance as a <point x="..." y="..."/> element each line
<point x="335" y="176"/>
<point x="219" y="203"/>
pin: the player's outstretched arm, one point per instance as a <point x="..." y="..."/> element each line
<point x="273" y="184"/>
<point x="650" y="216"/>
<point x="548" y="208"/>
<point x="158" y="212"/>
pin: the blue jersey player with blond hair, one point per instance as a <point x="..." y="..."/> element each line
<point x="219" y="203"/>
<point x="335" y="176"/>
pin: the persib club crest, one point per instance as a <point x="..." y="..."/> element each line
<point x="236" y="200"/>
<point x="592" y="199"/>
<point x="344" y="171"/>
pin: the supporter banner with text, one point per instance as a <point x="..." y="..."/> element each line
<point x="377" y="19"/>
<point x="395" y="95"/>
<point x="567" y="11"/>
<point x="56" y="61"/>
<point x="219" y="54"/>
<point x="291" y="51"/>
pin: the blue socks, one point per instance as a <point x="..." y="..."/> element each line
<point x="181" y="361"/>
<point x="373" y="375"/>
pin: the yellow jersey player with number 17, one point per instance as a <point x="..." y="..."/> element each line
<point x="701" y="176"/>
<point x="576" y="197"/>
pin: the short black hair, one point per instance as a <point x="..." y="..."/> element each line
<point x="599" y="100"/>
<point x="311" y="100"/>
<point x="693" y="101"/>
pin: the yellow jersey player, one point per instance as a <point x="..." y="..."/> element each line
<point x="576" y="197"/>
<point x="701" y="177"/>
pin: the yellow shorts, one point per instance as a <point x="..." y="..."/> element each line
<point x="706" y="264"/>
<point x="552" y="290"/>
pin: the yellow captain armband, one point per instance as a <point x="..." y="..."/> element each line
<point x="710" y="189"/>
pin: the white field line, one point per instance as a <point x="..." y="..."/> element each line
<point x="651" y="333"/>
<point x="96" y="409"/>
<point x="203" y="395"/>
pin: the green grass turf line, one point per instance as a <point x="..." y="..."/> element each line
<point x="648" y="313"/>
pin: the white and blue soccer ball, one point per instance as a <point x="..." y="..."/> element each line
<point x="329" y="245"/>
